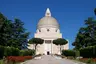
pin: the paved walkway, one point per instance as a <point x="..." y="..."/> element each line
<point x="47" y="59"/>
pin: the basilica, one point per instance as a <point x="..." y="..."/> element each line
<point x="48" y="29"/>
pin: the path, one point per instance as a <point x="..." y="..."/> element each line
<point x="48" y="59"/>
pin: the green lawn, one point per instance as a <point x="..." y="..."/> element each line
<point x="89" y="61"/>
<point x="1" y="62"/>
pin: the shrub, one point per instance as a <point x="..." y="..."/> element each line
<point x="8" y="51"/>
<point x="1" y="52"/>
<point x="77" y="53"/>
<point x="11" y="51"/>
<point x="15" y="51"/>
<point x="1" y="62"/>
<point x="88" y="52"/>
<point x="18" y="58"/>
<point x="68" y="53"/>
<point x="89" y="60"/>
<point x="27" y="52"/>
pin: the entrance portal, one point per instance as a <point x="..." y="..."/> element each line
<point x="48" y="47"/>
<point x="48" y="53"/>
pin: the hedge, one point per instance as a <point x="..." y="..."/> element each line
<point x="68" y="53"/>
<point x="12" y="51"/>
<point x="1" y="52"/>
<point x="88" y="52"/>
<point x="27" y="52"/>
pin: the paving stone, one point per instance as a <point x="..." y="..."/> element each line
<point x="48" y="59"/>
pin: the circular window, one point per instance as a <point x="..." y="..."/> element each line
<point x="39" y="30"/>
<point x="56" y="30"/>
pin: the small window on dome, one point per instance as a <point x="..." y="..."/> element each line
<point x="39" y="30"/>
<point x="48" y="30"/>
<point x="47" y="13"/>
<point x="56" y="30"/>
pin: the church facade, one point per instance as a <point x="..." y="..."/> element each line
<point x="48" y="29"/>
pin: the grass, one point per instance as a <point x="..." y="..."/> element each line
<point x="88" y="61"/>
<point x="1" y="62"/>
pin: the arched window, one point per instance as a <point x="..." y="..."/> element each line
<point x="48" y="30"/>
<point x="39" y="30"/>
<point x="56" y="30"/>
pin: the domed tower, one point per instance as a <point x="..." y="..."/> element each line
<point x="48" y="24"/>
<point x="48" y="29"/>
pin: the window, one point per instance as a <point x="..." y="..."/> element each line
<point x="48" y="30"/>
<point x="56" y="30"/>
<point x="39" y="30"/>
<point x="47" y="41"/>
<point x="48" y="13"/>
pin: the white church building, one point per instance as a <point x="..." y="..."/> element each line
<point x="48" y="29"/>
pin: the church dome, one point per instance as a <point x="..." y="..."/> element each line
<point x="48" y="21"/>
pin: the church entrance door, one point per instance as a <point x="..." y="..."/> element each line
<point x="48" y="53"/>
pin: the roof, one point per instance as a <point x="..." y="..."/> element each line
<point x="48" y="21"/>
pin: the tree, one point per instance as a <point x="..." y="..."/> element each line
<point x="18" y="36"/>
<point x="86" y="35"/>
<point x="5" y="30"/>
<point x="36" y="41"/>
<point x="60" y="41"/>
<point x="24" y="38"/>
<point x="12" y="33"/>
<point x="2" y="19"/>
<point x="95" y="11"/>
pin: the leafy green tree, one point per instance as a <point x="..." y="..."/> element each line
<point x="2" y="19"/>
<point x="36" y="41"/>
<point x="86" y="35"/>
<point x="25" y="40"/>
<point x="5" y="30"/>
<point x="60" y="41"/>
<point x="12" y="33"/>
<point x="18" y="36"/>
<point x="95" y="11"/>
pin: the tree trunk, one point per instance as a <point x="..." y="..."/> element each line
<point x="35" y="46"/>
<point x="60" y="49"/>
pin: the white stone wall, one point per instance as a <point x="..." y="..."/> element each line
<point x="48" y="35"/>
<point x="53" y="33"/>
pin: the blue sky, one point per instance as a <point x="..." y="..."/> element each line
<point x="69" y="13"/>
